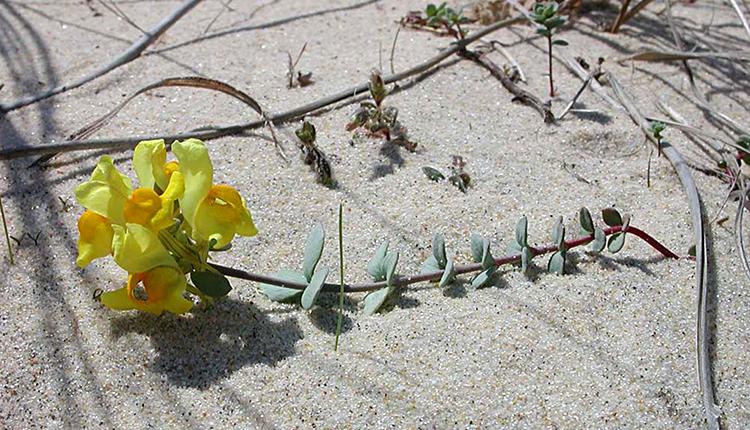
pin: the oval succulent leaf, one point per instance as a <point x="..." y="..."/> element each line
<point x="282" y="294"/>
<point x="611" y="217"/>
<point x="600" y="240"/>
<point x="558" y="233"/>
<point x="310" y="294"/>
<point x="375" y="299"/>
<point x="433" y="174"/>
<point x="391" y="260"/>
<point x="487" y="260"/>
<point x="477" y="246"/>
<point x="526" y="255"/>
<point x="556" y="263"/>
<point x="430" y="265"/>
<point x="375" y="266"/>
<point x="587" y="223"/>
<point x="313" y="250"/>
<point x="616" y="242"/>
<point x="482" y="279"/>
<point x="211" y="284"/>
<point x="438" y="250"/>
<point x="449" y="275"/>
<point x="521" y="231"/>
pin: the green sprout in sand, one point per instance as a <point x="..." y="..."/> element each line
<point x="545" y="14"/>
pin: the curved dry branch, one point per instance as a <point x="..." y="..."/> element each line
<point x="133" y="52"/>
<point x="215" y="132"/>
<point x="711" y="409"/>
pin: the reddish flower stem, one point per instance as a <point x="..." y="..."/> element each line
<point x="434" y="276"/>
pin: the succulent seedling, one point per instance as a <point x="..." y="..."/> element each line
<point x="378" y="120"/>
<point x="657" y="128"/>
<point x="313" y="156"/>
<point x="441" y="19"/>
<point x="458" y="176"/>
<point x="299" y="79"/>
<point x="545" y="14"/>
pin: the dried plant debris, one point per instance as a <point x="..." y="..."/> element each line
<point x="439" y="19"/>
<point x="489" y="11"/>
<point x="458" y="176"/>
<point x="297" y="79"/>
<point x="379" y="121"/>
<point x="313" y="156"/>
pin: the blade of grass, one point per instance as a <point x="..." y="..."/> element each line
<point x="341" y="276"/>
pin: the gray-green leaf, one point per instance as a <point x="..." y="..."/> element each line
<point x="487" y="260"/>
<point x="282" y="294"/>
<point x="482" y="279"/>
<point x="375" y="267"/>
<point x="438" y="250"/>
<point x="449" y="275"/>
<point x="430" y="265"/>
<point x="526" y="255"/>
<point x="390" y="262"/>
<point x="313" y="250"/>
<point x="521" y="231"/>
<point x="616" y="242"/>
<point x="375" y="299"/>
<point x="433" y="173"/>
<point x="477" y="247"/>
<point x="313" y="289"/>
<point x="556" y="263"/>
<point x="558" y="233"/>
<point x="211" y="284"/>
<point x="600" y="240"/>
<point x="611" y="217"/>
<point x="587" y="223"/>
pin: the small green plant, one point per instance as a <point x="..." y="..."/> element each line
<point x="378" y="120"/>
<point x="657" y="128"/>
<point x="458" y="176"/>
<point x="438" y="18"/>
<point x="545" y="14"/>
<point x="313" y="156"/>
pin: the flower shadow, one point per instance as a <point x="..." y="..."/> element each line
<point x="206" y="346"/>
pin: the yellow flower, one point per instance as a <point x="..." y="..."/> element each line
<point x="213" y="212"/>
<point x="109" y="194"/>
<point x="155" y="282"/>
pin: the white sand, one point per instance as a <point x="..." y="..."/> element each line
<point x="609" y="346"/>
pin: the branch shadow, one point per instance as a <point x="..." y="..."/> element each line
<point x="213" y="343"/>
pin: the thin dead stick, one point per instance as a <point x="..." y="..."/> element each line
<point x="403" y="281"/>
<point x="278" y="118"/>
<point x="495" y="44"/>
<point x="7" y="235"/>
<point x="652" y="55"/>
<point x="520" y="94"/>
<point x="592" y="75"/>
<point x="393" y="48"/>
<point x="133" y="52"/>
<point x="633" y="12"/>
<point x="120" y="14"/>
<point x="594" y="84"/>
<point x="616" y="25"/>
<point x="741" y="15"/>
<point x="711" y="409"/>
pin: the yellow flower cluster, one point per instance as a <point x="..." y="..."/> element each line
<point x="161" y="230"/>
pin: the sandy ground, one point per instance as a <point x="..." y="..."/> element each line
<point x="609" y="346"/>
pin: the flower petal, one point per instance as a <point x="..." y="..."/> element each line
<point x="149" y="159"/>
<point x="106" y="192"/>
<point x="221" y="215"/>
<point x="196" y="168"/>
<point x="117" y="300"/>
<point x="137" y="249"/>
<point x="95" y="238"/>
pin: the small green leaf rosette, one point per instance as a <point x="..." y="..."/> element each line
<point x="439" y="261"/>
<point x="382" y="267"/>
